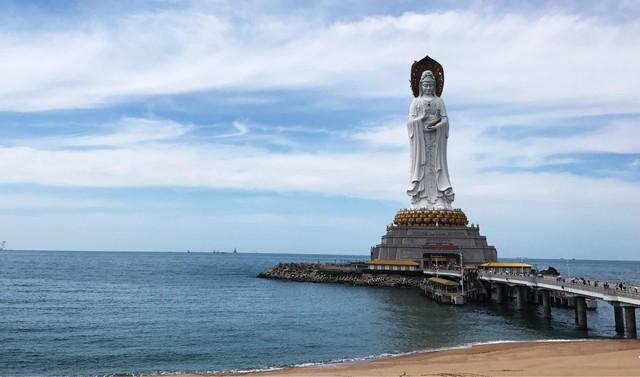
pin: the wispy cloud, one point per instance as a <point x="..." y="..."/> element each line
<point x="527" y="92"/>
<point x="125" y="132"/>
<point x="489" y="57"/>
<point x="130" y="131"/>
<point x="241" y="129"/>
<point x="146" y="153"/>
<point x="392" y="134"/>
<point x="210" y="166"/>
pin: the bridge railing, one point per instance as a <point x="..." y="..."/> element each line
<point x="629" y="292"/>
<point x="441" y="271"/>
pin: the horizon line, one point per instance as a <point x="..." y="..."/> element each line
<point x="285" y="253"/>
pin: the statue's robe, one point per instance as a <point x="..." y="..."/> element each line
<point x="429" y="186"/>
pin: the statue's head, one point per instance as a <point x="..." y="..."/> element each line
<point x="427" y="83"/>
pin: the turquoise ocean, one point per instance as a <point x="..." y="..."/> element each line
<point x="107" y="313"/>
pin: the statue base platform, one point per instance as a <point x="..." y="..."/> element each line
<point x="433" y="236"/>
<point x="430" y="217"/>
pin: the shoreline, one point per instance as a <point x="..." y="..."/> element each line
<point x="553" y="357"/>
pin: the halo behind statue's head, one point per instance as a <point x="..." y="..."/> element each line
<point x="418" y="69"/>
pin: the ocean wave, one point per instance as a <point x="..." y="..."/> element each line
<point x="429" y="350"/>
<point x="338" y="362"/>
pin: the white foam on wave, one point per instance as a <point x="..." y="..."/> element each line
<point x="338" y="362"/>
<point x="425" y="351"/>
<point x="214" y="372"/>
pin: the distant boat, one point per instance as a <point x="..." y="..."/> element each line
<point x="235" y="251"/>
<point x="3" y="245"/>
<point x="188" y="251"/>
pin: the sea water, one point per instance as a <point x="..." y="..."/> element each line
<point x="106" y="313"/>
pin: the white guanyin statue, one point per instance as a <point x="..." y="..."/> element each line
<point x="428" y="128"/>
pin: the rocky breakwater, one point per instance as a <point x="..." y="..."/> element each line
<point x="340" y="274"/>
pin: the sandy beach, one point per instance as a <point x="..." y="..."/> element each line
<point x="570" y="358"/>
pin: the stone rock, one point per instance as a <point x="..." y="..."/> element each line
<point x="550" y="271"/>
<point x="338" y="274"/>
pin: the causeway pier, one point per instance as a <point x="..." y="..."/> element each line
<point x="524" y="291"/>
<point x="624" y="300"/>
<point x="529" y="291"/>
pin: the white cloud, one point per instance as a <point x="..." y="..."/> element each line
<point x="240" y="130"/>
<point x="212" y="166"/>
<point x="140" y="157"/>
<point x="560" y="64"/>
<point x="128" y="131"/>
<point x="390" y="135"/>
<point x="469" y="142"/>
<point x="509" y="205"/>
<point x="488" y="57"/>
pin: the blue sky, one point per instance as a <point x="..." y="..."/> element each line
<point x="278" y="126"/>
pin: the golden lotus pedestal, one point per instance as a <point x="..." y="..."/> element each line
<point x="431" y="217"/>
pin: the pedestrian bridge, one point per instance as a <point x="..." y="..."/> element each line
<point x="624" y="299"/>
<point x="623" y="296"/>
